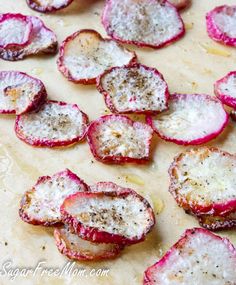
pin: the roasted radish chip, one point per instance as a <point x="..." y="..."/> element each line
<point x="109" y="187"/>
<point x="15" y="30"/>
<point x="134" y="89"/>
<point x="199" y="257"/>
<point x="20" y="93"/>
<point x="74" y="247"/>
<point x="42" y="41"/>
<point x="148" y="23"/>
<point x="41" y="204"/>
<point x="221" y="23"/>
<point x="47" y="6"/>
<point x="85" y="55"/>
<point x="108" y="217"/>
<point x="225" y="89"/>
<point x="55" y="124"/>
<point x="117" y="139"/>
<point x="180" y="4"/>
<point x="191" y="119"/>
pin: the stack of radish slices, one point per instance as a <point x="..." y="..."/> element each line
<point x="94" y="222"/>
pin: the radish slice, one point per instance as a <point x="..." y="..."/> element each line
<point x="42" y="41"/>
<point x="203" y="181"/>
<point x="74" y="247"/>
<point x="55" y="124"/>
<point x="85" y="55"/>
<point x="109" y="217"/>
<point x="15" y="30"/>
<point x="199" y="257"/>
<point x="180" y="4"/>
<point x="41" y="204"/>
<point x="225" y="89"/>
<point x="191" y="119"/>
<point x="134" y="89"/>
<point x="221" y="24"/>
<point x="109" y="187"/>
<point x="48" y="6"/>
<point x="117" y="139"/>
<point x="147" y="23"/>
<point x="20" y="93"/>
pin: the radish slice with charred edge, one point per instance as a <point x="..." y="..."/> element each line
<point x="225" y="89"/>
<point x="108" y="217"/>
<point x="55" y="124"/>
<point x="180" y="4"/>
<point x="42" y="41"/>
<point x="41" y="204"/>
<point x="118" y="139"/>
<point x="74" y="247"/>
<point x="85" y="55"/>
<point x="199" y="257"/>
<point x="48" y="6"/>
<point x="203" y="181"/>
<point x="149" y="23"/>
<point x="20" y="93"/>
<point x="109" y="187"/>
<point x="191" y="119"/>
<point x="134" y="89"/>
<point x="221" y="23"/>
<point x="15" y="30"/>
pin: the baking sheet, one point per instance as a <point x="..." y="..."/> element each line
<point x="190" y="65"/>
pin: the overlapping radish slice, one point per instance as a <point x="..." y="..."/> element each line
<point x="55" y="124"/>
<point x="118" y="139"/>
<point x="48" y="6"/>
<point x="180" y="4"/>
<point x="221" y="24"/>
<point x="74" y="247"/>
<point x="225" y="89"/>
<point x="109" y="217"/>
<point x="148" y="23"/>
<point x="191" y="119"/>
<point x="41" y="204"/>
<point x="20" y="93"/>
<point x="199" y="257"/>
<point x="109" y="187"/>
<point x="134" y="89"/>
<point x="42" y="41"/>
<point x="85" y="55"/>
<point x="15" y="30"/>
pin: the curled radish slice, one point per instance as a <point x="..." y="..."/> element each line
<point x="20" y="93"/>
<point x="85" y="55"/>
<point x="134" y="89"/>
<point x="15" y="30"/>
<point x="74" y="247"/>
<point x="191" y="119"/>
<point x="109" y="217"/>
<point x="199" y="257"/>
<point x="118" y="139"/>
<point x="180" y="4"/>
<point x="225" y="89"/>
<point x="148" y="23"/>
<point x="221" y="24"/>
<point x="55" y="124"/>
<point x="48" y="6"/>
<point x="41" y="204"/>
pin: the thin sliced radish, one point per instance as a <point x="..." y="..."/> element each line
<point x="198" y="258"/>
<point x="41" y="204"/>
<point x="118" y="139"/>
<point x="15" y="30"/>
<point x="221" y="24"/>
<point x="191" y="119"/>
<point x="134" y="89"/>
<point x="20" y="93"/>
<point x="42" y="41"/>
<point x="109" y="217"/>
<point x="148" y="23"/>
<point x="48" y="6"/>
<point x="86" y="55"/>
<point x="180" y="4"/>
<point x="109" y="187"/>
<point x="225" y="89"/>
<point x="203" y="181"/>
<point x="55" y="124"/>
<point x="74" y="247"/>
